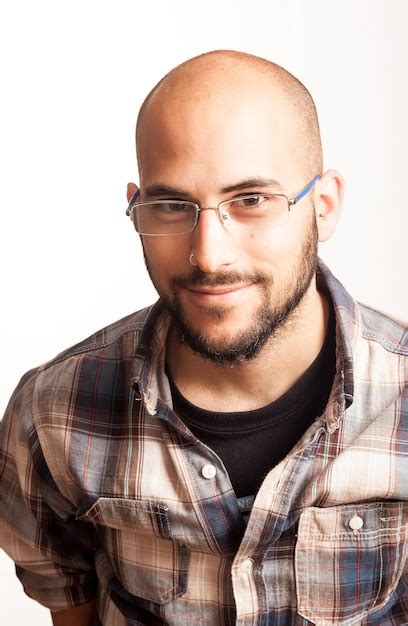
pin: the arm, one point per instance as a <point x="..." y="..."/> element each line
<point x="52" y="550"/>
<point x="78" y="616"/>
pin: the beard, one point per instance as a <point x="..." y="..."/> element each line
<point x="267" y="320"/>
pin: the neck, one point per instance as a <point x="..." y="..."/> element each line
<point x="256" y="383"/>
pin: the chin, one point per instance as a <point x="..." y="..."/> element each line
<point x="218" y="320"/>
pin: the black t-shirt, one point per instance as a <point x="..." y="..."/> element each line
<point x="251" y="443"/>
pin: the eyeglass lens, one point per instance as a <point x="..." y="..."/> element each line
<point x="173" y="217"/>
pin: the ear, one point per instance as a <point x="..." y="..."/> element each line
<point x="328" y="202"/>
<point x="131" y="190"/>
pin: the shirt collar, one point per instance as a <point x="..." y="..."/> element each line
<point x="151" y="384"/>
<point x="348" y="324"/>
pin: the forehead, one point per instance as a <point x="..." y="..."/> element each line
<point x="233" y="130"/>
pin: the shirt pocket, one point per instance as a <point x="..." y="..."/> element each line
<point x="348" y="560"/>
<point x="136" y="538"/>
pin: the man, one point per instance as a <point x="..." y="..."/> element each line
<point x="237" y="453"/>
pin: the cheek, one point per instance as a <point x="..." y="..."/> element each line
<point x="277" y="244"/>
<point x="165" y="257"/>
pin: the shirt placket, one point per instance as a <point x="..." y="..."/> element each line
<point x="272" y="514"/>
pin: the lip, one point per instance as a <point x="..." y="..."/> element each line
<point x="227" y="294"/>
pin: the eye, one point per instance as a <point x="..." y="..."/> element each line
<point x="172" y="206"/>
<point x="248" y="202"/>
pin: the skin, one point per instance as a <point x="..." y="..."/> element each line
<point x="78" y="616"/>
<point x="241" y="127"/>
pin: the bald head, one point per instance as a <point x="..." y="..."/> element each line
<point x="235" y="75"/>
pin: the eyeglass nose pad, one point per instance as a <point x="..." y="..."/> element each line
<point x="224" y="217"/>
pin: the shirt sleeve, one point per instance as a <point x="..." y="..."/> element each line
<point x="53" y="552"/>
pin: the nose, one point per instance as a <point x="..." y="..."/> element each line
<point x="213" y="245"/>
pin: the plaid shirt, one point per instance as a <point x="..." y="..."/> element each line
<point x="106" y="494"/>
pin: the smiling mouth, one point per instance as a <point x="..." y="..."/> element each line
<point x="225" y="293"/>
<point x="219" y="290"/>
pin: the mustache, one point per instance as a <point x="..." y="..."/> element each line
<point x="198" y="278"/>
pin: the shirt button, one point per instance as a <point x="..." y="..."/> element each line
<point x="356" y="523"/>
<point x="208" y="471"/>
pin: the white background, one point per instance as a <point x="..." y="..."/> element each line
<point x="73" y="75"/>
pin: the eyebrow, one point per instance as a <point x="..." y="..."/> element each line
<point x="155" y="190"/>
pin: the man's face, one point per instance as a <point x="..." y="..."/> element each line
<point x="246" y="285"/>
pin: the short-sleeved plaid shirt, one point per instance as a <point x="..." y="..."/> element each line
<point x="106" y="494"/>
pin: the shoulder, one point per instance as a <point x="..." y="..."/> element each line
<point x="106" y="354"/>
<point x="109" y="337"/>
<point x="380" y="363"/>
<point x="389" y="332"/>
<point x="361" y="321"/>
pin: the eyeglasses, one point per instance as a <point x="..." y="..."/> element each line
<point x="248" y="212"/>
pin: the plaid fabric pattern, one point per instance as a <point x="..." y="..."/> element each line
<point x="103" y="493"/>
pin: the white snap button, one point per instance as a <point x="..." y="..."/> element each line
<point x="209" y="471"/>
<point x="356" y="523"/>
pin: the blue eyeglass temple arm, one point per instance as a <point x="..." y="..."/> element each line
<point x="132" y="200"/>
<point x="305" y="190"/>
